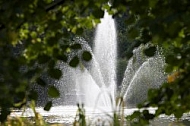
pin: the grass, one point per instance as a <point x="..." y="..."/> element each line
<point x="115" y="119"/>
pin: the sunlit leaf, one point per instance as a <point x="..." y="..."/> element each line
<point x="33" y="34"/>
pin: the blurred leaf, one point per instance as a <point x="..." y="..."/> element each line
<point x="51" y="64"/>
<point x="98" y="13"/>
<point x="33" y="34"/>
<point x="152" y="3"/>
<point x="76" y="46"/>
<point x="169" y="69"/>
<point x="86" y="56"/>
<point x="173" y="60"/>
<point x="64" y="47"/>
<point x="135" y="115"/>
<point x="177" y="50"/>
<point x="43" y="59"/>
<point x="55" y="73"/>
<point x="129" y="54"/>
<point x="147" y="115"/>
<point x="33" y="95"/>
<point x="130" y="20"/>
<point x="74" y="62"/>
<point x="133" y="33"/>
<point x="48" y="106"/>
<point x="79" y="31"/>
<point x="4" y="113"/>
<point x="150" y="51"/>
<point x="62" y="57"/>
<point x="53" y="92"/>
<point x="170" y="59"/>
<point x="41" y="82"/>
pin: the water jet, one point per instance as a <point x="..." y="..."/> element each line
<point x="94" y="84"/>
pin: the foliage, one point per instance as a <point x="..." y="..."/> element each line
<point x="34" y="36"/>
<point x="22" y="121"/>
<point x="80" y="116"/>
<point x="164" y="23"/>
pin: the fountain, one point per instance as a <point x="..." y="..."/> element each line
<point x="142" y="73"/>
<point x="94" y="82"/>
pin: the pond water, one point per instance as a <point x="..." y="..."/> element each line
<point x="66" y="115"/>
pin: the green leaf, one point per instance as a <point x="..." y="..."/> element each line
<point x="33" y="95"/>
<point x="136" y="114"/>
<point x="4" y="113"/>
<point x="98" y="13"/>
<point x="33" y="34"/>
<point x="62" y="57"/>
<point x="153" y="3"/>
<point x="86" y="56"/>
<point x="148" y="115"/>
<point x="169" y="68"/>
<point x="41" y="82"/>
<point x="150" y="51"/>
<point x="130" y="20"/>
<point x="76" y="46"/>
<point x="48" y="106"/>
<point x="64" y="47"/>
<point x="178" y="113"/>
<point x="129" y="54"/>
<point x="79" y="31"/>
<point x="53" y="92"/>
<point x="51" y="64"/>
<point x="55" y="73"/>
<point x="74" y="62"/>
<point x="172" y="60"/>
<point x="42" y="59"/>
<point x="133" y="33"/>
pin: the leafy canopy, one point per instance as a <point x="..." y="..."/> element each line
<point x="164" y="23"/>
<point x="34" y="36"/>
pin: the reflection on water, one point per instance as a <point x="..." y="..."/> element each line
<point x="66" y="115"/>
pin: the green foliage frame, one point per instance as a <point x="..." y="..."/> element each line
<point x="36" y="34"/>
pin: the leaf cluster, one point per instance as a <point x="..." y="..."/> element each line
<point x="164" y="23"/>
<point x="34" y="37"/>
